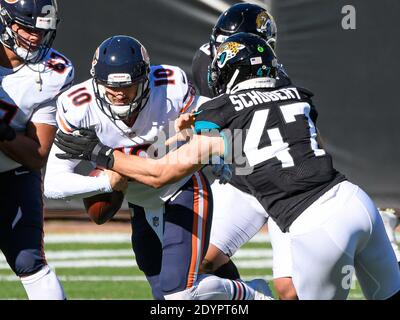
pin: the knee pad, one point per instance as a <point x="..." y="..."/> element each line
<point x="171" y="281"/>
<point x="154" y="282"/>
<point x="28" y="262"/>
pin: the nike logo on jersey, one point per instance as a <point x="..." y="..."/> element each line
<point x="253" y="98"/>
<point x="20" y="173"/>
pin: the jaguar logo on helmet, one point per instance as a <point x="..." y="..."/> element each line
<point x="227" y="51"/>
<point x="263" y="23"/>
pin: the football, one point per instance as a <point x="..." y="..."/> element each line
<point x="102" y="207"/>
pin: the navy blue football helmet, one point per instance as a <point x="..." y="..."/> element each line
<point x="243" y="17"/>
<point x="37" y="15"/>
<point x="121" y="61"/>
<point x="243" y="61"/>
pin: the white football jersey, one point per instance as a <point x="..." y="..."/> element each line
<point x="170" y="95"/>
<point x="27" y="94"/>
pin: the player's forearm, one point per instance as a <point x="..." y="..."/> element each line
<point x="143" y="170"/>
<point x="32" y="148"/>
<point x="61" y="181"/>
<point x="172" y="167"/>
<point x="25" y="151"/>
<point x="71" y="185"/>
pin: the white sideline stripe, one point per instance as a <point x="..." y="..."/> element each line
<point x="88" y="238"/>
<point x="124" y="263"/>
<point x="126" y="238"/>
<point x="12" y="278"/>
<point x="128" y="253"/>
<point x="91" y="263"/>
<point x="114" y="238"/>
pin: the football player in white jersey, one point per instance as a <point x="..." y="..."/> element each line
<point x="32" y="75"/>
<point x="132" y="105"/>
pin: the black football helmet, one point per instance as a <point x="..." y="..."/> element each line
<point x="241" y="57"/>
<point x="37" y="15"/>
<point x="243" y="17"/>
<point x="121" y="61"/>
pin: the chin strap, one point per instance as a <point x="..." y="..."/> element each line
<point x="232" y="81"/>
<point x="254" y="83"/>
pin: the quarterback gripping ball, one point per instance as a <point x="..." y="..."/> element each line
<point x="102" y="207"/>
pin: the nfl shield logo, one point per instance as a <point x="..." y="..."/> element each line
<point x="156" y="221"/>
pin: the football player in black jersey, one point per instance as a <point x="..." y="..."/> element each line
<point x="246" y="215"/>
<point x="269" y="133"/>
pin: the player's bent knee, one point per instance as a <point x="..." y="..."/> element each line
<point x="171" y="282"/>
<point x="28" y="262"/>
<point x="285" y="289"/>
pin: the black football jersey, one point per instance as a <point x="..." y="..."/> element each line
<point x="272" y="141"/>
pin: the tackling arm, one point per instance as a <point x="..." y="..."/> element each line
<point x="177" y="164"/>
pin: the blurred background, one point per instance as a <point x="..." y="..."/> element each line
<point x="352" y="72"/>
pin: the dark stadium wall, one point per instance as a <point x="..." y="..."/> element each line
<point x="354" y="74"/>
<point x="171" y="30"/>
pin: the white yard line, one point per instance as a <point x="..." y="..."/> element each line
<point x="126" y="238"/>
<point x="12" y="278"/>
<point x="113" y="238"/>
<point x="127" y="263"/>
<point x="128" y="253"/>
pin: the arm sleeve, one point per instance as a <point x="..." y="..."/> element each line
<point x="45" y="113"/>
<point x="61" y="182"/>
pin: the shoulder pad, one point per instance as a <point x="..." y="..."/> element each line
<point x="205" y="48"/>
<point x="73" y="106"/>
<point x="60" y="68"/>
<point x="215" y="103"/>
<point x="305" y="93"/>
<point x="173" y="82"/>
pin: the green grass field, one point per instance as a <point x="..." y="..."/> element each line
<point x="102" y="266"/>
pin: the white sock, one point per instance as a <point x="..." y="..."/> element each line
<point x="43" y="285"/>
<point x="210" y="287"/>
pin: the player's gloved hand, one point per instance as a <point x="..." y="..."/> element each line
<point x="222" y="171"/>
<point x="83" y="144"/>
<point x="6" y="132"/>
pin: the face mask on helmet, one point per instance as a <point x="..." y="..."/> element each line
<point x="243" y="61"/>
<point x="21" y="19"/>
<point x="243" y="17"/>
<point x="134" y="96"/>
<point x="120" y="71"/>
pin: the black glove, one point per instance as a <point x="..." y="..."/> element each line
<point x="84" y="144"/>
<point x="6" y="132"/>
<point x="222" y="171"/>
